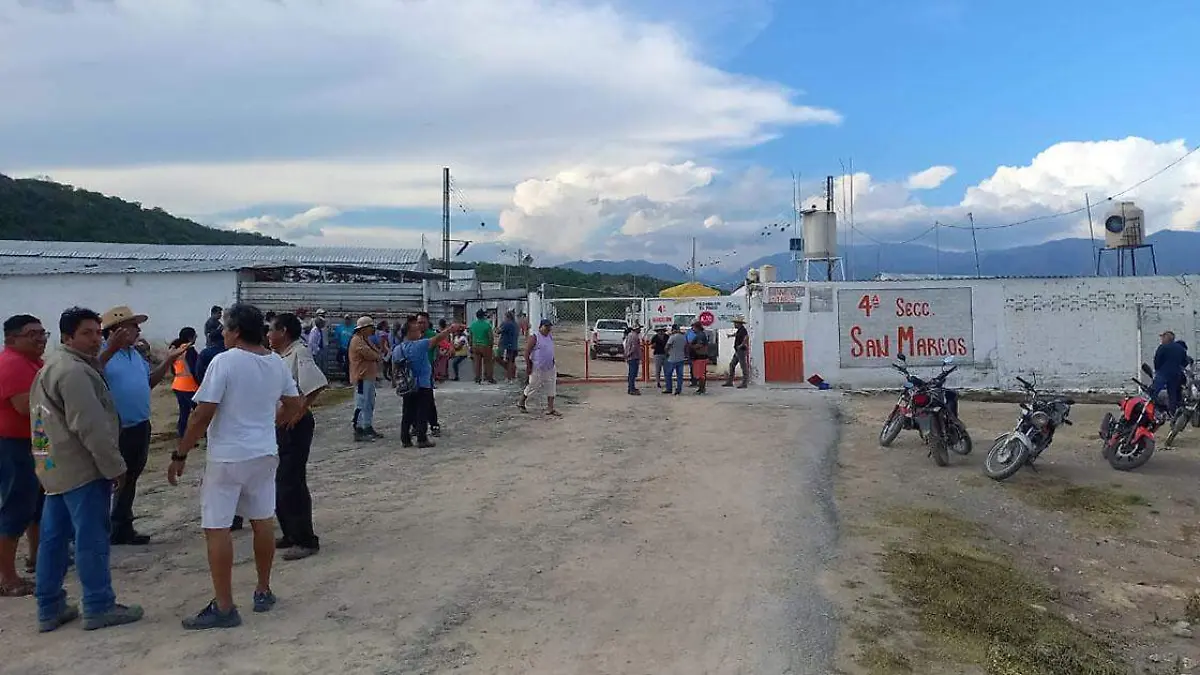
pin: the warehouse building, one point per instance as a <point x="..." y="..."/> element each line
<point x="176" y="285"/>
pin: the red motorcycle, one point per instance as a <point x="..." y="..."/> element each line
<point x="1129" y="437"/>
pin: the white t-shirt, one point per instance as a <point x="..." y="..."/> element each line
<point x="246" y="388"/>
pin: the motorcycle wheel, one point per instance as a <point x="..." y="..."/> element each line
<point x="1141" y="455"/>
<point x="891" y="428"/>
<point x="937" y="449"/>
<point x="1178" y="424"/>
<point x="962" y="445"/>
<point x="1006" y="457"/>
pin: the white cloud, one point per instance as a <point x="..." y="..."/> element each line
<point x="930" y="178"/>
<point x="360" y="102"/>
<point x="299" y="226"/>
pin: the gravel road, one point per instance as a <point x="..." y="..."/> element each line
<point x="634" y="535"/>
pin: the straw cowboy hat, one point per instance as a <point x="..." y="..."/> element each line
<point x="364" y="322"/>
<point x="119" y="315"/>
<point x="739" y="319"/>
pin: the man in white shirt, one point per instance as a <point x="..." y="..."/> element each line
<point x="238" y="405"/>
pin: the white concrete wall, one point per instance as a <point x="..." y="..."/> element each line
<point x="172" y="301"/>
<point x="1072" y="333"/>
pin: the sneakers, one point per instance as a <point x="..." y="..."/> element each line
<point x="283" y="543"/>
<point x="426" y="444"/>
<point x="66" y="615"/>
<point x="436" y="432"/>
<point x="211" y="617"/>
<point x="129" y="538"/>
<point x="300" y="553"/>
<point x="362" y="436"/>
<point x="119" y="615"/>
<point x="264" y="601"/>
<point x="372" y="433"/>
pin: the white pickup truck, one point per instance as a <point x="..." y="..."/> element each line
<point x="608" y="338"/>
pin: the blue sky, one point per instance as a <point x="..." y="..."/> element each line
<point x="590" y="129"/>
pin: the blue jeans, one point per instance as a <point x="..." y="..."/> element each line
<point x="675" y="369"/>
<point x="633" y="373"/>
<point x="84" y="510"/>
<point x="364" y="403"/>
<point x="1173" y="385"/>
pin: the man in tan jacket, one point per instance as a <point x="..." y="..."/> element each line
<point x="75" y="429"/>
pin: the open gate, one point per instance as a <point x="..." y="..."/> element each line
<point x="589" y="335"/>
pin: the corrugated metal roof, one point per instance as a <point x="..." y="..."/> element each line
<point x="247" y="255"/>
<point x="31" y="266"/>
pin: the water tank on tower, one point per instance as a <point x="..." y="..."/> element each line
<point x="766" y="274"/>
<point x="820" y="235"/>
<point x="1124" y="226"/>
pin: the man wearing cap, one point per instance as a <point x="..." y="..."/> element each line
<point x="480" y="332"/>
<point x="1170" y="359"/>
<point x="130" y="378"/>
<point x="633" y="357"/>
<point x="658" y="348"/>
<point x="364" y="371"/>
<point x="316" y="338"/>
<point x="539" y="363"/>
<point x="741" y="349"/>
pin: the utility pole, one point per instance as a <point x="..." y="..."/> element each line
<point x="975" y="243"/>
<point x="937" y="249"/>
<point x="446" y="226"/>
<point x="693" y="259"/>
<point x="1088" y="202"/>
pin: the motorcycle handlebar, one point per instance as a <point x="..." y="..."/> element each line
<point x="1024" y="383"/>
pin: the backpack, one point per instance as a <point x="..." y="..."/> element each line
<point x="402" y="376"/>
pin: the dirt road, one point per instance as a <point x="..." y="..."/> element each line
<point x="650" y="535"/>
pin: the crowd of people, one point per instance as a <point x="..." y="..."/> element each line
<point x="75" y="430"/>
<point x="672" y="349"/>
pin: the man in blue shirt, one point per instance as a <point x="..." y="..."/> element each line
<point x="343" y="332"/>
<point x="418" y="404"/>
<point x="509" y="337"/>
<point x="130" y="379"/>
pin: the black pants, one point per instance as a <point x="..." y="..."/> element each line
<point x="134" y="443"/>
<point x="433" y="417"/>
<point x="415" y="414"/>
<point x="293" y="501"/>
<point x="184" y="399"/>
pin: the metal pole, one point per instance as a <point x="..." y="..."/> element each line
<point x="975" y="243"/>
<point x="937" y="249"/>
<point x="446" y="226"/>
<point x="1092" y="232"/>
<point x="693" y="259"/>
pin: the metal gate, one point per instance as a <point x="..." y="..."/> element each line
<point x="589" y="335"/>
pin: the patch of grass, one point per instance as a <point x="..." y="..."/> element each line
<point x="981" y="609"/>
<point x="880" y="660"/>
<point x="1101" y="506"/>
<point x="933" y="523"/>
<point x="334" y="396"/>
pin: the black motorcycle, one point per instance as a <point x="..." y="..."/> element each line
<point x="1034" y="432"/>
<point x="932" y="409"/>
<point x="1189" y="407"/>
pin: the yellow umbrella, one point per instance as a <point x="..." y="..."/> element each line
<point x="690" y="289"/>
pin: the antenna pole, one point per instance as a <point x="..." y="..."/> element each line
<point x="1091" y="231"/>
<point x="851" y="233"/>
<point x="937" y="249"/>
<point x="975" y="243"/>
<point x="829" y="193"/>
<point x="446" y="226"/>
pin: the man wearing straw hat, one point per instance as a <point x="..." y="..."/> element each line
<point x="741" y="349"/>
<point x="130" y="379"/>
<point x="364" y="371"/>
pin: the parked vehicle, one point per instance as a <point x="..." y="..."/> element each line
<point x="1129" y="435"/>
<point x="1034" y="432"/>
<point x="1189" y="407"/>
<point x="608" y="338"/>
<point x="932" y="409"/>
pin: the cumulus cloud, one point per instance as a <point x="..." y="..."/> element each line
<point x="930" y="178"/>
<point x="360" y="102"/>
<point x="299" y="226"/>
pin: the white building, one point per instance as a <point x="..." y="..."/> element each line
<point x="176" y="285"/>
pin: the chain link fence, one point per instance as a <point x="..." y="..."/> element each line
<point x="590" y="334"/>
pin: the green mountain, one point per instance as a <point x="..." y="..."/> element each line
<point x="562" y="282"/>
<point x="41" y="210"/>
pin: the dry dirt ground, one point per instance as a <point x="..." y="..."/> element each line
<point x="1074" y="569"/>
<point x="633" y="535"/>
